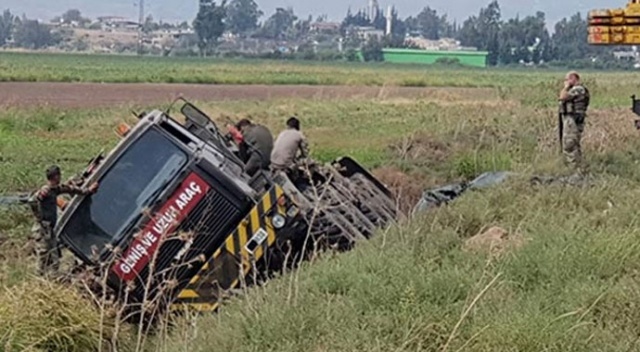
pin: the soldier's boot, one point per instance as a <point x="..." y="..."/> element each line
<point x="48" y="253"/>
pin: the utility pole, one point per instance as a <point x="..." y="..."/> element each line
<point x="140" y="25"/>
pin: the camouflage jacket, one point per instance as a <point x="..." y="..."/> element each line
<point x="577" y="102"/>
<point x="44" y="201"/>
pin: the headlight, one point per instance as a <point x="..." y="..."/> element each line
<point x="278" y="221"/>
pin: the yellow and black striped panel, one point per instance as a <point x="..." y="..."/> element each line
<point x="222" y="271"/>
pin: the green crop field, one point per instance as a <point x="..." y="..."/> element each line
<point x="128" y="69"/>
<point x="566" y="280"/>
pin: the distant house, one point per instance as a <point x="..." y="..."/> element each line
<point x="115" y="22"/>
<point x="626" y="55"/>
<point x="446" y="44"/>
<point x="165" y="38"/>
<point x="325" y="27"/>
<point x="365" y="33"/>
<point x="108" y="19"/>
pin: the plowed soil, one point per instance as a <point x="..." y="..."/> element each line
<point x="89" y="95"/>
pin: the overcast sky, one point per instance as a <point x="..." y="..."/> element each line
<point x="177" y="10"/>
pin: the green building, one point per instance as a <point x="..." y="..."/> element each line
<point x="468" y="58"/>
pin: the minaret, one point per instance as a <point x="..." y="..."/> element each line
<point x="389" y="20"/>
<point x="373" y="10"/>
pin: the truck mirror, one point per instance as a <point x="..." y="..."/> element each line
<point x="194" y="115"/>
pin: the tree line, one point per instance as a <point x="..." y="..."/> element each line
<point x="508" y="41"/>
<point x="26" y="33"/>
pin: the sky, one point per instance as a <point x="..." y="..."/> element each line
<point x="176" y="10"/>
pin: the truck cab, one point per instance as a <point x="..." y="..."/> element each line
<point x="174" y="205"/>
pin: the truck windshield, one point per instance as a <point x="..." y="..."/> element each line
<point x="126" y="190"/>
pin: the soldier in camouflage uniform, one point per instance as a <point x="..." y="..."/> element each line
<point x="45" y="209"/>
<point x="574" y="102"/>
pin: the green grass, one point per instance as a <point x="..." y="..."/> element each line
<point x="34" y="67"/>
<point x="571" y="286"/>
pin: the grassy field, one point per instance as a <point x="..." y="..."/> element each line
<point x="570" y="285"/>
<point x="129" y="69"/>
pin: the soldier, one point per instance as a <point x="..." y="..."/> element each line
<point x="258" y="146"/>
<point x="574" y="102"/>
<point x="45" y="210"/>
<point x="285" y="155"/>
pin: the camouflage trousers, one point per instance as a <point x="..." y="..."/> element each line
<point x="571" y="141"/>
<point x="46" y="248"/>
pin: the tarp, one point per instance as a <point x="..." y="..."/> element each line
<point x="14" y="200"/>
<point x="442" y="195"/>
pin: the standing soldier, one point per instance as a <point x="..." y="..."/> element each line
<point x="45" y="210"/>
<point x="574" y="102"/>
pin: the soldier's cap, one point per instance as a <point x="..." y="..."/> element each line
<point x="53" y="171"/>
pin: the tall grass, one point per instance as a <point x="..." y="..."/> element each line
<point x="569" y="288"/>
<point x="37" y="315"/>
<point x="572" y="285"/>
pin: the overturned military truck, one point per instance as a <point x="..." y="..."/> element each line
<point x="176" y="224"/>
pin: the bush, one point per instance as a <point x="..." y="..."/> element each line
<point x="351" y="55"/>
<point x="372" y="50"/>
<point x="448" y="61"/>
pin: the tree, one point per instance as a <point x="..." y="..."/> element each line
<point x="372" y="50"/>
<point x="447" y="29"/>
<point x="538" y="35"/>
<point x="279" y="24"/>
<point x="468" y="34"/>
<point x="379" y="22"/>
<point x="322" y="18"/>
<point x="209" y="24"/>
<point x="360" y="19"/>
<point x="34" y="35"/>
<point x="483" y="31"/>
<point x="569" y="39"/>
<point x="430" y="25"/>
<point x="427" y="23"/>
<point x="398" y="27"/>
<point x="149" y="25"/>
<point x="242" y="16"/>
<point x="489" y="26"/>
<point x="7" y="24"/>
<point x="300" y="29"/>
<point x="525" y="40"/>
<point x="72" y="16"/>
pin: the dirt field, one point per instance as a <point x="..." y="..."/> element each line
<point x="84" y="95"/>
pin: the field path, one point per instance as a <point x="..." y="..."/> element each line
<point x="88" y="95"/>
